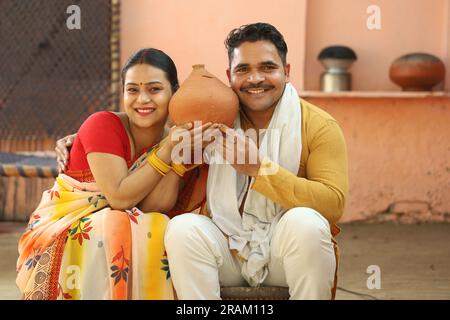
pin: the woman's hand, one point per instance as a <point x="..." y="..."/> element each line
<point x="62" y="151"/>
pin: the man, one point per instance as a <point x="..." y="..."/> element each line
<point x="270" y="222"/>
<point x="270" y="229"/>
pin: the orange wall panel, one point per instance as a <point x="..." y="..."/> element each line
<point x="399" y="155"/>
<point x="406" y="26"/>
<point x="193" y="32"/>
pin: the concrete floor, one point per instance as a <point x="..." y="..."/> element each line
<point x="414" y="261"/>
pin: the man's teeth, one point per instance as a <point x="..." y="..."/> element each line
<point x="255" y="91"/>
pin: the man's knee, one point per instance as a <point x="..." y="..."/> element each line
<point x="183" y="227"/>
<point x="305" y="224"/>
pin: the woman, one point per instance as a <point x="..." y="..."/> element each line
<point x="82" y="242"/>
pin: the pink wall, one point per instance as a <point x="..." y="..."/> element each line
<point x="194" y="31"/>
<point x="447" y="46"/>
<point x="399" y="156"/>
<point x="406" y="26"/>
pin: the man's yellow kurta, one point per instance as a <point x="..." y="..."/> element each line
<point x="322" y="180"/>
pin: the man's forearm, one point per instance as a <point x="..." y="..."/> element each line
<point x="291" y="191"/>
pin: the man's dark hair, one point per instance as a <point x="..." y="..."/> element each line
<point x="256" y="32"/>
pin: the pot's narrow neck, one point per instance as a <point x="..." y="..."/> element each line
<point x="198" y="66"/>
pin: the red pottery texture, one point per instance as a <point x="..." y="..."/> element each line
<point x="203" y="97"/>
<point x="417" y="72"/>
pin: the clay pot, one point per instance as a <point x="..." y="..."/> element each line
<point x="417" y="72"/>
<point x="203" y="97"/>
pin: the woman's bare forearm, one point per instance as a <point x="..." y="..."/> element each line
<point x="164" y="195"/>
<point x="121" y="189"/>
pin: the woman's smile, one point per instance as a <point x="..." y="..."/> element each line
<point x="145" y="111"/>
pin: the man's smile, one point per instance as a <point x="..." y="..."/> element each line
<point x="256" y="91"/>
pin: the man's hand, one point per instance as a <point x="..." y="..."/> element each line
<point x="62" y="151"/>
<point x="186" y="141"/>
<point x="240" y="150"/>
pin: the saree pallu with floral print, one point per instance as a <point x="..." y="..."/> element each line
<point x="76" y="247"/>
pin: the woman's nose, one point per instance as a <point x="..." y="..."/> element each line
<point x="144" y="98"/>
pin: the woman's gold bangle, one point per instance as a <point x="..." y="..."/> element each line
<point x="179" y="169"/>
<point x="160" y="166"/>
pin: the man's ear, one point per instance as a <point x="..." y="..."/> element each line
<point x="229" y="75"/>
<point x="287" y="71"/>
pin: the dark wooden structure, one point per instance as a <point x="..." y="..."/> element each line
<point x="258" y="293"/>
<point x="52" y="79"/>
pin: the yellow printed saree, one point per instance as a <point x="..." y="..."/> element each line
<point x="76" y="247"/>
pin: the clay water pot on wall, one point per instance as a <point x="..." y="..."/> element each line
<point x="417" y="71"/>
<point x="203" y="97"/>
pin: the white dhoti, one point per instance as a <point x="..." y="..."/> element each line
<point x="302" y="256"/>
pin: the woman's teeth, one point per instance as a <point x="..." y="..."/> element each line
<point x="145" y="111"/>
